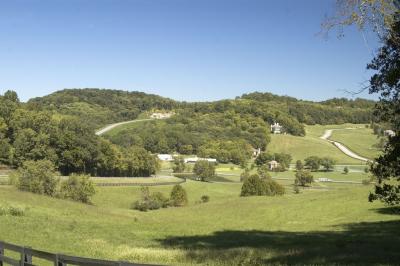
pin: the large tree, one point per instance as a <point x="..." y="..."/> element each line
<point x="386" y="82"/>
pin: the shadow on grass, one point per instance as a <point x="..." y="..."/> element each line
<point x="394" y="210"/>
<point x="357" y="244"/>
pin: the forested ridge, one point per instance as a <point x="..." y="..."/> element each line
<point x="60" y="128"/>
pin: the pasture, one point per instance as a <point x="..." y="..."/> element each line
<point x="359" y="140"/>
<point x="335" y="223"/>
<point x="312" y="145"/>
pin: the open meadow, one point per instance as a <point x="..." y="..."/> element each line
<point x="334" y="223"/>
<point x="312" y="145"/>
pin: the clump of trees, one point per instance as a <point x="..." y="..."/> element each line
<point x="157" y="200"/>
<point x="253" y="185"/>
<point x="204" y="170"/>
<point x="283" y="159"/>
<point x="314" y="163"/>
<point x="40" y="177"/>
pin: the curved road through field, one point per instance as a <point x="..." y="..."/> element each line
<point x="340" y="146"/>
<point x="109" y="127"/>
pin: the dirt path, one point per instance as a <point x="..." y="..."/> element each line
<point x="109" y="127"/>
<point x="328" y="133"/>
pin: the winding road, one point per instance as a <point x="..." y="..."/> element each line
<point x="109" y="127"/>
<point x="340" y="146"/>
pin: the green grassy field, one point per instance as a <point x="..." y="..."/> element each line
<point x="360" y="140"/>
<point x="336" y="225"/>
<point x="310" y="145"/>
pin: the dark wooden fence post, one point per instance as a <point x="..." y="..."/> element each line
<point x="57" y="261"/>
<point x="27" y="257"/>
<point x="1" y="252"/>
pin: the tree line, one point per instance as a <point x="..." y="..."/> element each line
<point x="66" y="141"/>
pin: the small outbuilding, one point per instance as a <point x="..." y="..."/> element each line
<point x="389" y="133"/>
<point x="165" y="157"/>
<point x="272" y="165"/>
<point x="276" y="128"/>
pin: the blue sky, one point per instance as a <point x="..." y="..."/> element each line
<point x="184" y="49"/>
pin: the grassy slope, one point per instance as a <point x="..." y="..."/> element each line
<point x="303" y="147"/>
<point x="360" y="140"/>
<point x="328" y="226"/>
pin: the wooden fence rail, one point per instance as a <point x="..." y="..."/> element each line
<point x="127" y="184"/>
<point x="27" y="254"/>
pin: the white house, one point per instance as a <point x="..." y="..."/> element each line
<point x="276" y="128"/>
<point x="256" y="152"/>
<point x="195" y="159"/>
<point x="273" y="165"/>
<point x="161" y="115"/>
<point x="324" y="179"/>
<point x="165" y="157"/>
<point x="389" y="133"/>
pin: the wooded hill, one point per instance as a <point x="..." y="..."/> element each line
<point x="101" y="106"/>
<point x="60" y="128"/>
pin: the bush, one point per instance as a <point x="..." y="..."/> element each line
<point x="78" y="188"/>
<point x="149" y="201"/>
<point x="12" y="210"/>
<point x="256" y="186"/>
<point x="346" y="170"/>
<point x="296" y="189"/>
<point x="205" y="198"/>
<point x="299" y="165"/>
<point x="3" y="211"/>
<point x="38" y="177"/>
<point x="179" y="165"/>
<point x="178" y="196"/>
<point x="252" y="186"/>
<point x="16" y="211"/>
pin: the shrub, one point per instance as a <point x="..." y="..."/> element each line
<point x="274" y="188"/>
<point x="299" y="165"/>
<point x="179" y="165"/>
<point x="367" y="181"/>
<point x="150" y="201"/>
<point x="178" y="196"/>
<point x="252" y="186"/>
<point x="263" y="171"/>
<point x="244" y="175"/>
<point x="205" y="198"/>
<point x="303" y="178"/>
<point x="38" y="177"/>
<point x="346" y="170"/>
<point x="296" y="189"/>
<point x="78" y="188"/>
<point x="3" y="211"/>
<point x="12" y="210"/>
<point x="256" y="186"/>
<point x="16" y="211"/>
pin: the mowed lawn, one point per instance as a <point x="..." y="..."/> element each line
<point x="329" y="226"/>
<point x="359" y="140"/>
<point x="311" y="145"/>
